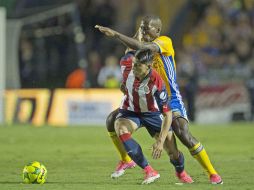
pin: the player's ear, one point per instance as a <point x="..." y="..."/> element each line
<point x="158" y="30"/>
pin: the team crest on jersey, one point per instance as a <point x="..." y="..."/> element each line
<point x="143" y="90"/>
<point x="163" y="95"/>
<point x="146" y="89"/>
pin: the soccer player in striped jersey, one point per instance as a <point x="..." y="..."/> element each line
<point x="145" y="103"/>
<point x="131" y="102"/>
<point x="164" y="64"/>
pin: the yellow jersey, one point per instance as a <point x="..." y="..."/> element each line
<point x="164" y="64"/>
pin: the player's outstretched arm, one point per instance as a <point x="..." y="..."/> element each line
<point x="128" y="41"/>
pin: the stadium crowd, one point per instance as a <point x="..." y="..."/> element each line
<point x="220" y="44"/>
<point x="216" y="47"/>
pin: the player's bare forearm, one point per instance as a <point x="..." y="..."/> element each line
<point x="158" y="145"/>
<point x="136" y="44"/>
<point x="128" y="41"/>
<point x="165" y="126"/>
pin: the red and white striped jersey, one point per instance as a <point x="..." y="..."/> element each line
<point x="148" y="95"/>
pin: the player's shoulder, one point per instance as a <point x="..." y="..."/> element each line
<point x="163" y="39"/>
<point x="127" y="58"/>
<point x="156" y="79"/>
<point x="128" y="55"/>
<point x="165" y="45"/>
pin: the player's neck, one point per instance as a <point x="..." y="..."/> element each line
<point x="144" y="76"/>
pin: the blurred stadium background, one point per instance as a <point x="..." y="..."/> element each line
<point x="53" y="44"/>
<point x="57" y="70"/>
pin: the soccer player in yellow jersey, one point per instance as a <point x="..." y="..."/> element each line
<point x="164" y="64"/>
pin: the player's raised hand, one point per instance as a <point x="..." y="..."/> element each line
<point x="107" y="31"/>
<point x="157" y="149"/>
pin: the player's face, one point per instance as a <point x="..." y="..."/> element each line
<point x="140" y="69"/>
<point x="148" y="31"/>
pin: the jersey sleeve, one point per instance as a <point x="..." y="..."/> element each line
<point x="161" y="95"/>
<point x="126" y="60"/>
<point x="126" y="66"/>
<point x="162" y="99"/>
<point x="165" y="45"/>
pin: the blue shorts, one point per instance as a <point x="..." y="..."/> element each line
<point x="178" y="109"/>
<point x="150" y="120"/>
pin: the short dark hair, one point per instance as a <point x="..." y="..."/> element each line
<point x="144" y="55"/>
<point x="148" y="18"/>
<point x="154" y="21"/>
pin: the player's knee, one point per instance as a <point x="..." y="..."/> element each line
<point x="178" y="127"/>
<point x="121" y="127"/>
<point x="188" y="139"/>
<point x="110" y="121"/>
<point x="181" y="129"/>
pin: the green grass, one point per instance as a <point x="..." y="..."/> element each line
<point x="83" y="158"/>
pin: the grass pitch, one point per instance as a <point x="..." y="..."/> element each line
<point x="83" y="158"/>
